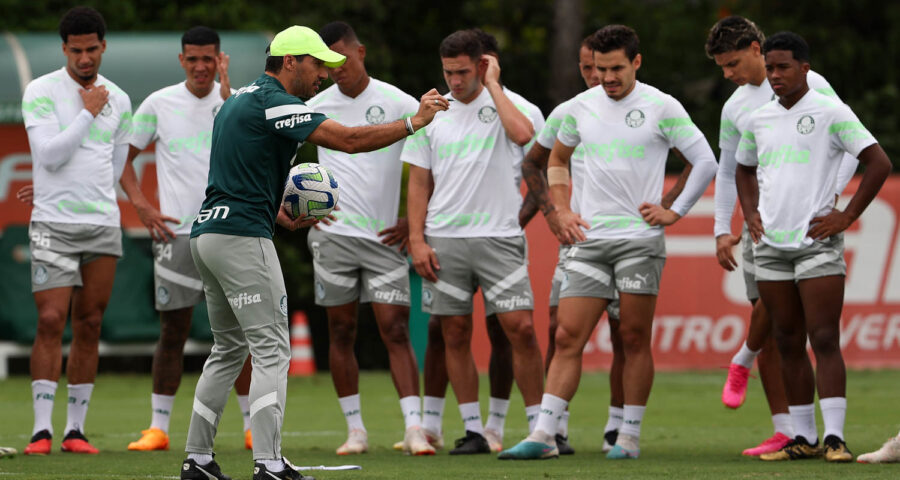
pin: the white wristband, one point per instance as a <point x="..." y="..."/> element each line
<point x="409" y="126"/>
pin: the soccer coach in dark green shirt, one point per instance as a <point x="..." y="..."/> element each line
<point x="255" y="139"/>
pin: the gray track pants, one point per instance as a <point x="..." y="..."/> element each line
<point x="247" y="305"/>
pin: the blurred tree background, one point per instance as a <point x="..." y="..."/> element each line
<point x="854" y="45"/>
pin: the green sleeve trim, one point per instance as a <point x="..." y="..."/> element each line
<point x="845" y="126"/>
<point x="727" y="130"/>
<point x="748" y="142"/>
<point x="417" y="141"/>
<point x="827" y="92"/>
<point x="39" y="107"/>
<point x="673" y="128"/>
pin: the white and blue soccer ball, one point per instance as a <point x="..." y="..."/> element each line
<point x="310" y="190"/>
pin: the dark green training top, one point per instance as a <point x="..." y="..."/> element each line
<point x="254" y="140"/>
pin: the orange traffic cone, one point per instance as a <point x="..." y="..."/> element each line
<point x="302" y="362"/>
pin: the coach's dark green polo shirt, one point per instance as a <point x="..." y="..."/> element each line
<point x="255" y="137"/>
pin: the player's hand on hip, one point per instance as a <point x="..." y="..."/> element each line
<point x="569" y="227"/>
<point x="827" y="225"/>
<point x="399" y="233"/>
<point x="292" y="224"/>
<point x="155" y="222"/>
<point x="222" y="67"/>
<point x="94" y="98"/>
<point x="754" y="226"/>
<point x="724" y="251"/>
<point x="424" y="260"/>
<point x="26" y="194"/>
<point x="656" y="215"/>
<point x="432" y="102"/>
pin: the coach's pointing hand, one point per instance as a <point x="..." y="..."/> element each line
<point x="432" y="102"/>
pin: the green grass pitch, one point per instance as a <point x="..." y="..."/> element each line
<point x="687" y="433"/>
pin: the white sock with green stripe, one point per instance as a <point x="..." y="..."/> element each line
<point x="350" y="406"/>
<point x="244" y="403"/>
<point x="411" y="407"/>
<point x="162" y="411"/>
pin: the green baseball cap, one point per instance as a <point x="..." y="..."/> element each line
<point x="299" y="40"/>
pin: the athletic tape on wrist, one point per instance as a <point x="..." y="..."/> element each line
<point x="557" y="176"/>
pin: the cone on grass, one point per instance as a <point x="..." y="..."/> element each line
<point x="302" y="362"/>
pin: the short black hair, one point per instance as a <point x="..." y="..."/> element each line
<point x="788" y="41"/>
<point x="81" y="21"/>
<point x="336" y="31"/>
<point x="200" y="35"/>
<point x="488" y="41"/>
<point x="732" y="34"/>
<point x="461" y="42"/>
<point x="615" y="37"/>
<point x="274" y="64"/>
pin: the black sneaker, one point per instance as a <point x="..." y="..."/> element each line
<point x="472" y="443"/>
<point x="562" y="444"/>
<point x="191" y="470"/>
<point x="260" y="473"/>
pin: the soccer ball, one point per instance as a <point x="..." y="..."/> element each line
<point x="310" y="190"/>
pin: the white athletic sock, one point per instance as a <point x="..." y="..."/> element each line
<point x="632" y="417"/>
<point x="614" y="420"/>
<point x="244" y="403"/>
<point x="42" y="394"/>
<point x="563" y="427"/>
<point x="411" y="407"/>
<point x="432" y="413"/>
<point x="804" y="419"/>
<point x="161" y="406"/>
<point x="834" y="409"/>
<point x="532" y="412"/>
<point x="352" y="412"/>
<point x="79" y="399"/>
<point x="201" y="458"/>
<point x="552" y="408"/>
<point x="274" y="466"/>
<point x="497" y="409"/>
<point x="471" y="415"/>
<point x="782" y="424"/>
<point x="745" y="357"/>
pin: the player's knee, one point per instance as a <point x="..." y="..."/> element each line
<point x="824" y="342"/>
<point x="634" y="339"/>
<point x="397" y="334"/>
<point x="566" y="341"/>
<point x="174" y="334"/>
<point x="457" y="337"/>
<point x="342" y="333"/>
<point x="521" y="334"/>
<point x="51" y="324"/>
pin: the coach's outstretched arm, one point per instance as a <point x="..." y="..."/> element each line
<point x="333" y="135"/>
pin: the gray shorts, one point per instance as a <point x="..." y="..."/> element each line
<point x="242" y="281"/>
<point x="175" y="278"/>
<point x="499" y="265"/>
<point x="600" y="267"/>
<point x="749" y="265"/>
<point x="59" y="249"/>
<point x="821" y="259"/>
<point x="350" y="268"/>
<point x="612" y="309"/>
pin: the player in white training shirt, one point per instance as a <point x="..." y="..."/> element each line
<point x="75" y="119"/>
<point x="793" y="147"/>
<point x="627" y="130"/>
<point x="179" y="120"/>
<point x="464" y="229"/>
<point x="352" y="259"/>
<point x="500" y="372"/>
<point x="735" y="43"/>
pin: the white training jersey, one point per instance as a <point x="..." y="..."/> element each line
<point x="369" y="182"/>
<point x="547" y="137"/>
<point x="626" y="143"/>
<point x="181" y="125"/>
<point x="83" y="189"/>
<point x="797" y="153"/>
<point x="746" y="99"/>
<point x="537" y="120"/>
<point x="472" y="162"/>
